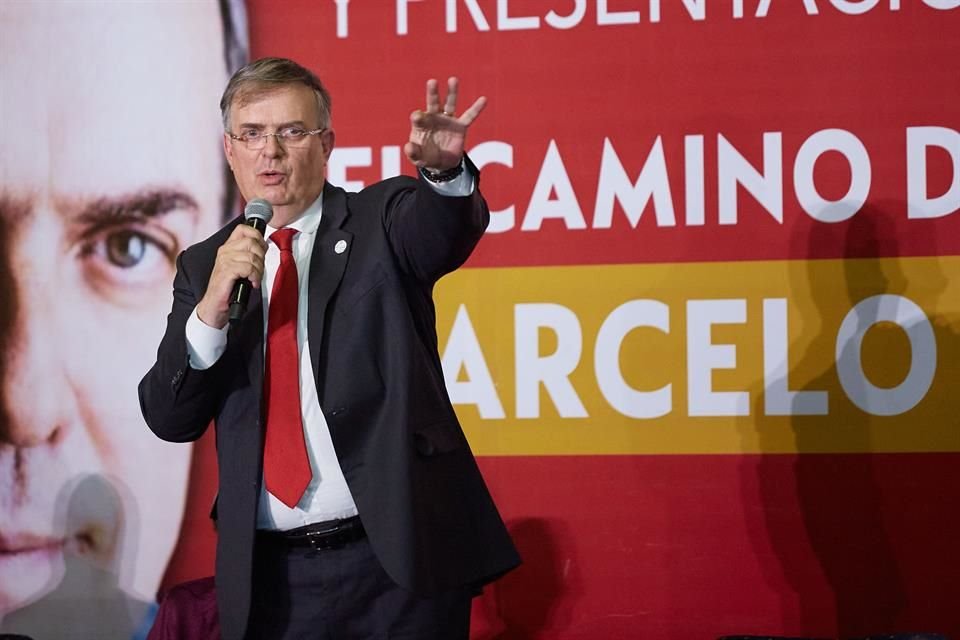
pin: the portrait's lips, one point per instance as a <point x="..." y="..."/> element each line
<point x="27" y="553"/>
<point x="13" y="544"/>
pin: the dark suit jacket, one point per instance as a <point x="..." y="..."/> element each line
<point x="373" y="345"/>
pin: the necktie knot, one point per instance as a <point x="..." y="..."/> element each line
<point x="283" y="238"/>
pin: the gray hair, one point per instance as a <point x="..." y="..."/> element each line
<point x="265" y="75"/>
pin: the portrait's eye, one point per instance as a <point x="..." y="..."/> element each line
<point x="128" y="257"/>
<point x="125" y="246"/>
<point x="125" y="249"/>
<point x="249" y="134"/>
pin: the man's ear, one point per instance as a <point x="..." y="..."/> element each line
<point x="328" y="138"/>
<point x="228" y="150"/>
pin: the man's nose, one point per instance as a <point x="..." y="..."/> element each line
<point x="272" y="147"/>
<point x="36" y="401"/>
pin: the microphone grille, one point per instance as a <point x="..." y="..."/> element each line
<point x="258" y="208"/>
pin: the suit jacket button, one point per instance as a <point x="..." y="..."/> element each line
<point x="424" y="445"/>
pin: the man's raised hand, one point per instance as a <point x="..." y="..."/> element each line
<point x="438" y="135"/>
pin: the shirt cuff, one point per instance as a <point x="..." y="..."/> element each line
<point x="462" y="185"/>
<point x="205" y="344"/>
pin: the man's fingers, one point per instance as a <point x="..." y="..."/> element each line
<point x="241" y="264"/>
<point x="242" y="256"/>
<point x="246" y="238"/>
<point x="450" y="106"/>
<point x="242" y="231"/>
<point x="433" y="96"/>
<point x="471" y="114"/>
<point x="246" y="251"/>
<point x="436" y="136"/>
<point x="245" y="230"/>
<point x="243" y="247"/>
<point x="413" y="152"/>
<point x="419" y="118"/>
<point x="255" y="275"/>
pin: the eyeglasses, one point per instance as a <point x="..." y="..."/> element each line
<point x="288" y="136"/>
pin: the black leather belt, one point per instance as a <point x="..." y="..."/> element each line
<point x="331" y="534"/>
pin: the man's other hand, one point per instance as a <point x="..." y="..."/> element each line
<point x="241" y="256"/>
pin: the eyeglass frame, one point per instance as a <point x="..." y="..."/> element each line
<point x="278" y="135"/>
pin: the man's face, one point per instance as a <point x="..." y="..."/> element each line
<point x="110" y="167"/>
<point x="290" y="178"/>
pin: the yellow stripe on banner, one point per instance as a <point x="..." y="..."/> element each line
<point x="738" y="357"/>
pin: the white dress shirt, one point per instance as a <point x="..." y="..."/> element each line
<point x="327" y="497"/>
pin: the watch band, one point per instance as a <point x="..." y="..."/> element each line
<point x="442" y="176"/>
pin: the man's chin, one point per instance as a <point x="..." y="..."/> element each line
<point x="276" y="194"/>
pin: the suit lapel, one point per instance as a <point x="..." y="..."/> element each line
<point x="331" y="249"/>
<point x="251" y="337"/>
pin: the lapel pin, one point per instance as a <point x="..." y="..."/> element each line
<point x="341" y="246"/>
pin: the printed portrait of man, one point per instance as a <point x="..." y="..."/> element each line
<point x="111" y="166"/>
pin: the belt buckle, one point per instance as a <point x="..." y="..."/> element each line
<point x="324" y="540"/>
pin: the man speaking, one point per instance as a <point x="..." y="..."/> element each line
<point x="350" y="505"/>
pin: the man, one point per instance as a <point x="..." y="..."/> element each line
<point x="343" y="328"/>
<point x="110" y="168"/>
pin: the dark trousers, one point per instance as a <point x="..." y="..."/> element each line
<point x="344" y="594"/>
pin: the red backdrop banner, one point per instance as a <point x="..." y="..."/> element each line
<point x="707" y="351"/>
<point x="757" y="138"/>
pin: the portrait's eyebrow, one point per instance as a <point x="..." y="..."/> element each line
<point x="147" y="203"/>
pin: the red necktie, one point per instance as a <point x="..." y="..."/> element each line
<point x="286" y="468"/>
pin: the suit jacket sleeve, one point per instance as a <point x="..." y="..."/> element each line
<point x="178" y="402"/>
<point x="433" y="234"/>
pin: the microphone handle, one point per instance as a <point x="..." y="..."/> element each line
<point x="239" y="299"/>
<point x="241" y="289"/>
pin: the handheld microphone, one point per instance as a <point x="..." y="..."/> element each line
<point x="257" y="214"/>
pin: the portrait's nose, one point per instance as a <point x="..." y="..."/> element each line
<point x="36" y="401"/>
